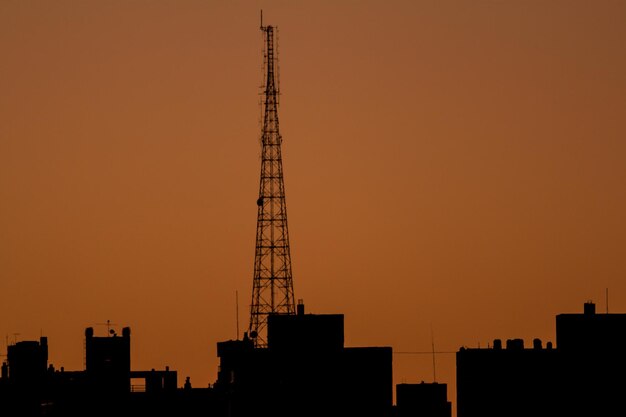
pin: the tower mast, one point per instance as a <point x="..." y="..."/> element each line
<point x="272" y="291"/>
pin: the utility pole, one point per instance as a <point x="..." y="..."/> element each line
<point x="272" y="291"/>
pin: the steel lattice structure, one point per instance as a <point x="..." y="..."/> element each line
<point x="272" y="291"/>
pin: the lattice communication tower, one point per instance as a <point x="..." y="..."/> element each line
<point x="272" y="291"/>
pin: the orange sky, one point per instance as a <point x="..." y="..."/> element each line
<point x="454" y="164"/>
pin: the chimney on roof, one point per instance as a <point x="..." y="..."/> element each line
<point x="589" y="309"/>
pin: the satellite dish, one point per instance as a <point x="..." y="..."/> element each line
<point x="259" y="202"/>
<point x="253" y="334"/>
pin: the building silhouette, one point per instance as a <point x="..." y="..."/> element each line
<point x="422" y="400"/>
<point x="583" y="375"/>
<point x="305" y="370"/>
<point x="107" y="362"/>
<point x="24" y="375"/>
<point x="29" y="386"/>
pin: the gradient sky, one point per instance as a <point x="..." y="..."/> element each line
<point x="454" y="165"/>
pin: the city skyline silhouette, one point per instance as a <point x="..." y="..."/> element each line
<point x="454" y="167"/>
<point x="305" y="368"/>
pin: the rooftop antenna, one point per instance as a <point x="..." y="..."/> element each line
<point x="607" y="301"/>
<point x="237" y="312"/>
<point x="6" y="352"/>
<point x="261" y="19"/>
<point x="108" y="324"/>
<point x="432" y="341"/>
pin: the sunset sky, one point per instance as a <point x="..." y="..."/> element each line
<point x="454" y="165"/>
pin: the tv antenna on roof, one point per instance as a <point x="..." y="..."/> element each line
<point x="237" y="312"/>
<point x="110" y="332"/>
<point x="432" y="341"/>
